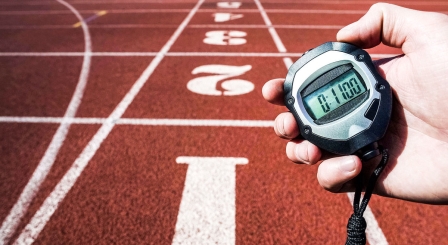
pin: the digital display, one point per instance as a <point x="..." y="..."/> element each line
<point x="341" y="90"/>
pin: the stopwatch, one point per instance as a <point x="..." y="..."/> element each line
<point x="339" y="100"/>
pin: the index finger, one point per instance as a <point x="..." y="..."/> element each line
<point x="273" y="91"/>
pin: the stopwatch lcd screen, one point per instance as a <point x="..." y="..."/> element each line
<point x="334" y="94"/>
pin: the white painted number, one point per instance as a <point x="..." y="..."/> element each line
<point x="225" y="37"/>
<point x="207" y="85"/>
<point x="207" y="209"/>
<point x="223" y="17"/>
<point x="228" y="5"/>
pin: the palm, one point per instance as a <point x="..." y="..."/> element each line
<point x="417" y="137"/>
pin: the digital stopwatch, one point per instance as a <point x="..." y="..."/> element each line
<point x="340" y="102"/>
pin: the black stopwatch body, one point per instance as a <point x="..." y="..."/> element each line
<point x="340" y="102"/>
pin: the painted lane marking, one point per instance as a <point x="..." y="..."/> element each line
<point x="374" y="234"/>
<point x="132" y="11"/>
<point x="208" y="85"/>
<point x="429" y="3"/>
<point x="144" y="121"/>
<point x="19" y="209"/>
<point x="224" y="17"/>
<point x="207" y="209"/>
<point x="278" y="42"/>
<point x="87" y="20"/>
<point x="375" y="231"/>
<point x="51" y="203"/>
<point x="225" y="38"/>
<point x="172" y="54"/>
<point x="228" y="5"/>
<point x="126" y="11"/>
<point x="215" y="26"/>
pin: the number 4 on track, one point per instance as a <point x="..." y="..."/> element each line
<point x="223" y="17"/>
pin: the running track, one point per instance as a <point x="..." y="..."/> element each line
<point x="144" y="124"/>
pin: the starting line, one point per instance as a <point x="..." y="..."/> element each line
<point x="172" y="54"/>
<point x="142" y="121"/>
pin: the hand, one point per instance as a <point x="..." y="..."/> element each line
<point x="417" y="137"/>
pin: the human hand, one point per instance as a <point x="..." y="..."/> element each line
<point x="417" y="137"/>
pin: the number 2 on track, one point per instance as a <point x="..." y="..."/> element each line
<point x="207" y="85"/>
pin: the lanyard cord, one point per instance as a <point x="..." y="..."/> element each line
<point x="356" y="227"/>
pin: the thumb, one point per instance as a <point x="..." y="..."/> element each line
<point x="387" y="23"/>
<point x="334" y="173"/>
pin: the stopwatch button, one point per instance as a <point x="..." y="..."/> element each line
<point x="373" y="108"/>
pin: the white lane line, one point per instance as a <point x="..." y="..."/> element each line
<point x="19" y="209"/>
<point x="278" y="42"/>
<point x="429" y="3"/>
<point x="149" y="26"/>
<point x="374" y="234"/>
<point x="74" y="120"/>
<point x="51" y="203"/>
<point x="126" y="54"/>
<point x="143" y="121"/>
<point x="171" y="54"/>
<point x="207" y="208"/>
<point x="136" y="11"/>
<point x="281" y="48"/>
<point x="197" y="122"/>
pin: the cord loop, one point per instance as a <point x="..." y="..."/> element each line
<point x="356" y="230"/>
<point x="356" y="227"/>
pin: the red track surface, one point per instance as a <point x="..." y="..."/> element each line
<point x="131" y="190"/>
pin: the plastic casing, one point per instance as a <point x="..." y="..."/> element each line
<point x="353" y="131"/>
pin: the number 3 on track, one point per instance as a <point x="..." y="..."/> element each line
<point x="207" y="85"/>
<point x="225" y="38"/>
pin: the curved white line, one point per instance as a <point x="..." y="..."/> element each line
<point x="29" y="192"/>
<point x="51" y="203"/>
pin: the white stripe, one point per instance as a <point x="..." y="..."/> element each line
<point x="130" y="11"/>
<point x="288" y="62"/>
<point x="197" y="122"/>
<point x="329" y="27"/>
<point x="281" y="48"/>
<point x="173" y="54"/>
<point x="183" y="1"/>
<point x="207" y="208"/>
<point x="133" y="11"/>
<point x="11" y="222"/>
<point x="51" y="203"/>
<point x="125" y="26"/>
<point x="143" y="121"/>
<point x="374" y="234"/>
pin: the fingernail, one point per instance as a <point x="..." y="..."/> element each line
<point x="301" y="154"/>
<point x="348" y="165"/>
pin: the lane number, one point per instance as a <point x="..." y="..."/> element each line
<point x="224" y="17"/>
<point x="225" y="37"/>
<point x="207" y="85"/>
<point x="228" y="5"/>
<point x="207" y="209"/>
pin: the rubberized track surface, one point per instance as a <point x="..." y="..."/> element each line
<point x="145" y="125"/>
